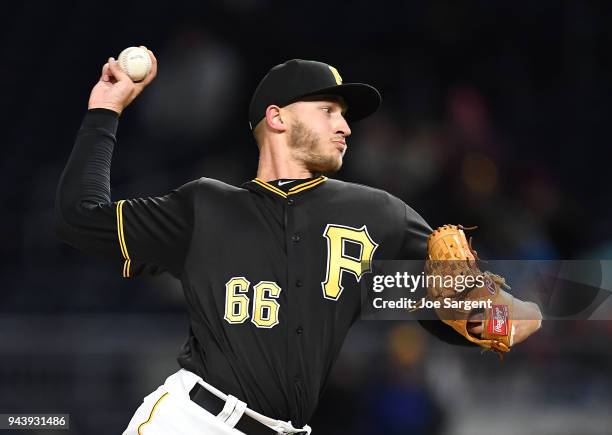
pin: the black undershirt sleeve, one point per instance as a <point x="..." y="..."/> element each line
<point x="149" y="235"/>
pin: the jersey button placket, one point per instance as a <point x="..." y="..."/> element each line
<point x="293" y="301"/>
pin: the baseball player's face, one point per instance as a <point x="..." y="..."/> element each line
<point x="317" y="133"/>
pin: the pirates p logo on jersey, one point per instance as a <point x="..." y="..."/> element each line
<point x="337" y="261"/>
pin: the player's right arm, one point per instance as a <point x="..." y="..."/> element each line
<point x="144" y="234"/>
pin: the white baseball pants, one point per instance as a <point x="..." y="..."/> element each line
<point x="169" y="411"/>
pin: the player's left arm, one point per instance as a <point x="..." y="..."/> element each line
<point x="505" y="322"/>
<point x="414" y="247"/>
<point x="527" y="316"/>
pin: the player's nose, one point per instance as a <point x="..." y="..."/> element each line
<point x="343" y="127"/>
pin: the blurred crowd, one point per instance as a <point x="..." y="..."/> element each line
<point x="493" y="115"/>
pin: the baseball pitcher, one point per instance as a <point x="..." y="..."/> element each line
<point x="270" y="290"/>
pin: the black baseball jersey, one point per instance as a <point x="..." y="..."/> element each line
<point x="270" y="270"/>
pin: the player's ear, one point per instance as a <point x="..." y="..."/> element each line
<point x="274" y="118"/>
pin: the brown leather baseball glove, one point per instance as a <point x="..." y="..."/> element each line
<point x="452" y="260"/>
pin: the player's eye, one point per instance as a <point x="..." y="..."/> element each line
<point x="326" y="109"/>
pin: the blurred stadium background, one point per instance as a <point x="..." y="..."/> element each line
<point x="495" y="114"/>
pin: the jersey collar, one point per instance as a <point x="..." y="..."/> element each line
<point x="301" y="187"/>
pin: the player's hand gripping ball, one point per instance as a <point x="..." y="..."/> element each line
<point x="135" y="62"/>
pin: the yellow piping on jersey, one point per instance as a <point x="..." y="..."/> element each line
<point x="151" y="414"/>
<point x="270" y="187"/>
<point x="122" y="245"/>
<point x="295" y="189"/>
<point x="308" y="185"/>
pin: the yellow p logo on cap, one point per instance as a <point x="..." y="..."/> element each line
<point x="336" y="74"/>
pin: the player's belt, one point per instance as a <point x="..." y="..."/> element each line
<point x="214" y="405"/>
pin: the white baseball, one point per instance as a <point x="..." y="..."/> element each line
<point x="136" y="63"/>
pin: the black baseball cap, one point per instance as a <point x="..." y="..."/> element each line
<point x="295" y="79"/>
